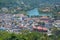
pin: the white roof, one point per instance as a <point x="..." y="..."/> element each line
<point x="57" y="21"/>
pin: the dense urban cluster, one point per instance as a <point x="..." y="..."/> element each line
<point x="29" y="20"/>
<point x="18" y="22"/>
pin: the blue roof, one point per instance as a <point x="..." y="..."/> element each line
<point x="2" y="28"/>
<point x="33" y="12"/>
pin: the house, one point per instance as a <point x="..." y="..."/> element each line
<point x="44" y="19"/>
<point x="56" y="23"/>
<point x="2" y="28"/>
<point x="40" y="28"/>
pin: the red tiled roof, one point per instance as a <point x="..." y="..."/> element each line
<point x="40" y="28"/>
<point x="34" y="27"/>
<point x="44" y="17"/>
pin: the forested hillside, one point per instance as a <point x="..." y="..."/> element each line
<point x="33" y="3"/>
